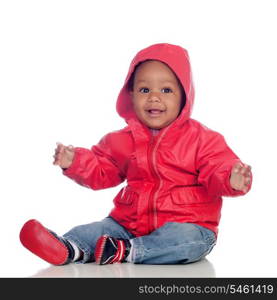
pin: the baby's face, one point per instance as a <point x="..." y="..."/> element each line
<point x="156" y="94"/>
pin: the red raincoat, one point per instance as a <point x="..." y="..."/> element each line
<point x="180" y="175"/>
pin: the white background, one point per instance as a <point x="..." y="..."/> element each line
<point x="62" y="64"/>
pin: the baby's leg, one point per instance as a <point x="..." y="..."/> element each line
<point x="45" y="243"/>
<point x="173" y="243"/>
<point x="86" y="236"/>
<point x="76" y="245"/>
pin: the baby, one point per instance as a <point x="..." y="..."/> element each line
<point x="176" y="172"/>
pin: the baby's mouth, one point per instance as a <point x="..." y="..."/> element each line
<point x="154" y="112"/>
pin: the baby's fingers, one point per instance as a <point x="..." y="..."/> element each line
<point x="69" y="148"/>
<point x="247" y="178"/>
<point x="245" y="189"/>
<point x="248" y="171"/>
<point x="57" y="158"/>
<point x="237" y="168"/>
<point x="58" y="153"/>
<point x="60" y="148"/>
<point x="242" y="169"/>
<point x="245" y="169"/>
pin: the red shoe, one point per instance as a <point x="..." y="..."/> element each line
<point x="46" y="244"/>
<point x="109" y="250"/>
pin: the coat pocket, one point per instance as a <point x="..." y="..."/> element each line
<point x="191" y="195"/>
<point x="126" y="196"/>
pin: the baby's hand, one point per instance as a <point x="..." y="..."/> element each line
<point x="240" y="177"/>
<point x="63" y="156"/>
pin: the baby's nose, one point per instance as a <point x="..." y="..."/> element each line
<point x="154" y="96"/>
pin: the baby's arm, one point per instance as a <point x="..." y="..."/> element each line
<point x="95" y="168"/>
<point x="240" y="178"/>
<point x="220" y="169"/>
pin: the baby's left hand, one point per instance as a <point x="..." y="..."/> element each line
<point x="240" y="177"/>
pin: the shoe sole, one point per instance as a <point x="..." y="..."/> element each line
<point x="99" y="249"/>
<point x="39" y="240"/>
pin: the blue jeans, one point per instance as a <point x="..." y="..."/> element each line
<point x="173" y="243"/>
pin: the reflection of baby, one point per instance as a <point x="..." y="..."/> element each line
<point x="177" y="171"/>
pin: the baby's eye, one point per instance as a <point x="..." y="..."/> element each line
<point x="144" y="90"/>
<point x="167" y="90"/>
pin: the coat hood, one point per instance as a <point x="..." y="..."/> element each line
<point x="177" y="59"/>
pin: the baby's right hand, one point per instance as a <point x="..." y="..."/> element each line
<point x="63" y="156"/>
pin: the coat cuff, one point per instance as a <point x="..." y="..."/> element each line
<point x="72" y="170"/>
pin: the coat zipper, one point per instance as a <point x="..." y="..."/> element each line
<point x="152" y="207"/>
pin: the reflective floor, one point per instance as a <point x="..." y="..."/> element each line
<point x="224" y="261"/>
<point x="200" y="269"/>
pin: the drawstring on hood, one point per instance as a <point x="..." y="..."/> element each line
<point x="177" y="59"/>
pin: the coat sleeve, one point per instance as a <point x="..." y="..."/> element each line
<point x="215" y="161"/>
<point x="95" y="168"/>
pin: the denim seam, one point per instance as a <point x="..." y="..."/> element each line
<point x="138" y="251"/>
<point x="207" y="234"/>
